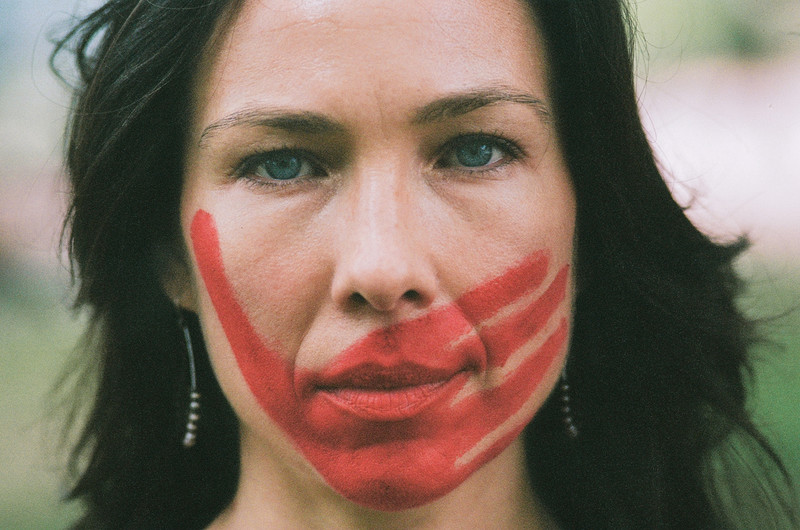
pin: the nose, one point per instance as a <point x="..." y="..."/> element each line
<point x="383" y="260"/>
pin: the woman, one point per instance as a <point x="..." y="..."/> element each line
<point x="392" y="264"/>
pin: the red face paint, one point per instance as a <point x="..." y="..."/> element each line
<point x="408" y="412"/>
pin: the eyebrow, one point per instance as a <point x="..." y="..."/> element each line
<point x="465" y="102"/>
<point x="286" y="120"/>
<point x="306" y="122"/>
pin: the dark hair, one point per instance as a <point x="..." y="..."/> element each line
<point x="659" y="350"/>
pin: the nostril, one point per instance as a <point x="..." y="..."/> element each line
<point x="364" y="281"/>
<point x="413" y="296"/>
<point x="383" y="302"/>
<point x="357" y="300"/>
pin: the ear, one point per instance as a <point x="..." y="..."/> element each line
<point x="176" y="279"/>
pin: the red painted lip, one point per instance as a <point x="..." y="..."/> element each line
<point x="384" y="394"/>
<point x="393" y="373"/>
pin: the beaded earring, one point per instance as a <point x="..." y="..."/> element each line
<point x="193" y="416"/>
<point x="566" y="408"/>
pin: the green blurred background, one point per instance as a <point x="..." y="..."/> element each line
<point x="720" y="94"/>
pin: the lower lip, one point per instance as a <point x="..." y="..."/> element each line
<point x="398" y="404"/>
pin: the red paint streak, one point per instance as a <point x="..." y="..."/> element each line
<point x="374" y="456"/>
<point x="511" y="333"/>
<point x="486" y="299"/>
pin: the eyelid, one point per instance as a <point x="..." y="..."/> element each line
<point x="245" y="168"/>
<point x="510" y="147"/>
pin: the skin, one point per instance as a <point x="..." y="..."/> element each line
<point x="386" y="228"/>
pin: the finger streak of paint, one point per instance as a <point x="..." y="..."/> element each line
<point x="485" y="300"/>
<point x="516" y="392"/>
<point x="507" y="336"/>
<point x="244" y="340"/>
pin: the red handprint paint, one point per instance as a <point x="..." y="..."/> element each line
<point x="408" y="412"/>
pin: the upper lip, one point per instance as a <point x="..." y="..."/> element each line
<point x="412" y="353"/>
<point x="394" y="372"/>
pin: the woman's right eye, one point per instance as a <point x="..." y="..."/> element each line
<point x="279" y="166"/>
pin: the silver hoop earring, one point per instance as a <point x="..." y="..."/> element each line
<point x="193" y="415"/>
<point x="566" y="408"/>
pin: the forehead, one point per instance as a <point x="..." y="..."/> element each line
<point x="329" y="53"/>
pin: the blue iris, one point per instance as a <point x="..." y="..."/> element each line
<point x="474" y="153"/>
<point x="282" y="165"/>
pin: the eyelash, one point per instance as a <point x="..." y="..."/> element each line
<point x="248" y="168"/>
<point x="510" y="148"/>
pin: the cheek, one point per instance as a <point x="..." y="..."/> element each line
<point x="278" y="289"/>
<point x="504" y="342"/>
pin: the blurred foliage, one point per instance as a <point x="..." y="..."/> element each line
<point x="37" y="335"/>
<point x="745" y="29"/>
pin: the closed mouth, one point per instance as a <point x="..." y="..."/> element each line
<point x="389" y="393"/>
<point x="395" y="372"/>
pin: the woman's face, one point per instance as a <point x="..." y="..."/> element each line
<point x="380" y="226"/>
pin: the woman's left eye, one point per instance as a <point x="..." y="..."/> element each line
<point x="279" y="166"/>
<point x="477" y="153"/>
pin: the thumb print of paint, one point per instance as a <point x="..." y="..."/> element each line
<point x="408" y="412"/>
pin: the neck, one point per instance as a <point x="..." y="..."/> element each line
<point x="273" y="494"/>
